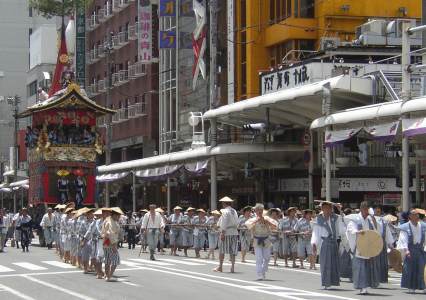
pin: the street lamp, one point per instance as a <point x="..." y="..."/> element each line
<point x="14" y="103"/>
<point x="108" y="49"/>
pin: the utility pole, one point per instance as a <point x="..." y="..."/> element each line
<point x="14" y="102"/>
<point x="108" y="124"/>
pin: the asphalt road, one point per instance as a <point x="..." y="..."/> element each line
<point x="39" y="274"/>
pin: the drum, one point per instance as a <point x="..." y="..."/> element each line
<point x="395" y="260"/>
<point x="369" y="244"/>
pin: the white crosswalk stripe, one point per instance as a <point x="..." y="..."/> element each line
<point x="4" y="269"/>
<point x="30" y="266"/>
<point x="58" y="264"/>
<point x="182" y="262"/>
<point x="150" y="262"/>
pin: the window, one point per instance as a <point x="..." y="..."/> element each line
<point x="30" y="12"/>
<point x="279" y="10"/>
<point x="243" y="21"/>
<point x="279" y="51"/>
<point x="32" y="88"/>
<point x="304" y="8"/>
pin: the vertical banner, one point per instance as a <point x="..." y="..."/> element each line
<point x="80" y="46"/>
<point x="230" y="50"/>
<point x="145" y="31"/>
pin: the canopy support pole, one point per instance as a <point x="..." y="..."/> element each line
<point x="169" y="195"/>
<point x="327" y="174"/>
<point x="311" y="171"/>
<point x="213" y="167"/>
<point x="418" y="187"/>
<point x="134" y="191"/>
<point x="406" y="95"/>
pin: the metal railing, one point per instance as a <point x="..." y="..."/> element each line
<point x="122" y="112"/>
<point x="116" y="118"/>
<point x="93" y="89"/>
<point x="101" y="15"/>
<point x="116" y="5"/>
<point x="123" y="76"/>
<point x="131" y="111"/>
<point x="115" y="79"/>
<point x="140" y="109"/>
<point x="94" y="57"/>
<point x="102" y="85"/>
<point x="137" y="69"/>
<point x="132" y="32"/>
<point x="101" y="50"/>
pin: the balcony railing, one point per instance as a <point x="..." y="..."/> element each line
<point x="116" y="5"/>
<point x="116" y="79"/>
<point x="116" y="117"/>
<point x="93" y="89"/>
<point x="101" y="50"/>
<point x="137" y="69"/>
<point x="123" y="37"/>
<point x="94" y="57"/>
<point x="102" y="15"/>
<point x="102" y="85"/>
<point x="140" y="109"/>
<point x="133" y="32"/>
<point x="123" y="76"/>
<point x="122" y="112"/>
<point x="131" y="111"/>
<point x="93" y="22"/>
<point x="124" y="3"/>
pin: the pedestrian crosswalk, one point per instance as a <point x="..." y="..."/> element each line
<point x="25" y="266"/>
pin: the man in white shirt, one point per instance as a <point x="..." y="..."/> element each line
<point x="326" y="229"/>
<point x="152" y="224"/>
<point x="411" y="243"/>
<point x="228" y="242"/>
<point x="4" y="226"/>
<point x="366" y="271"/>
<point x="47" y="223"/>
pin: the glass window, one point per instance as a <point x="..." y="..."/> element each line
<point x="243" y="20"/>
<point x="304" y="8"/>
<point x="32" y="88"/>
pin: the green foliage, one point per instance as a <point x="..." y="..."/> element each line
<point x="52" y="8"/>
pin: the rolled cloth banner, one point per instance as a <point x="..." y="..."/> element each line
<point x="333" y="138"/>
<point x="412" y="127"/>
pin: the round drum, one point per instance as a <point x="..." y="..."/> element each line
<point x="369" y="244"/>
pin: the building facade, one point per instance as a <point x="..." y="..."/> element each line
<point x="274" y="32"/>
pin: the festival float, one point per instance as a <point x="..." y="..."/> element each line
<point x="63" y="143"/>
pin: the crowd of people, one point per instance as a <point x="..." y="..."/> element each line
<point x="90" y="238"/>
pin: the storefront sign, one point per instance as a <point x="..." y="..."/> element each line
<point x="284" y="79"/>
<point x="145" y="31"/>
<point x="294" y="185"/>
<point x="392" y="199"/>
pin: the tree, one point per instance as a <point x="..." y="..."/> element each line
<point x="52" y="8"/>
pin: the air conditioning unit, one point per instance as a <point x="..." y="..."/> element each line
<point x="394" y="33"/>
<point x="329" y="43"/>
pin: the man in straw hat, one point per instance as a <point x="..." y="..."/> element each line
<point x="304" y="228"/>
<point x="411" y="243"/>
<point x="327" y="228"/>
<point x="388" y="241"/>
<point x="110" y="234"/>
<point x="366" y="271"/>
<point x="261" y="228"/>
<point x="200" y="231"/>
<point x="152" y="224"/>
<point x="175" y="219"/>
<point x="47" y="224"/>
<point x="289" y="241"/>
<point x="213" y="233"/>
<point x="85" y="243"/>
<point x="244" y="234"/>
<point x="188" y="230"/>
<point x="228" y="242"/>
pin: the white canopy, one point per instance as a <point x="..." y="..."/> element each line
<point x="386" y="110"/>
<point x="193" y="155"/>
<point x="296" y="106"/>
<point x="20" y="183"/>
<point x="414" y="105"/>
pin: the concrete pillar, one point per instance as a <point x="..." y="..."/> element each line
<point x="134" y="191"/>
<point x="328" y="174"/>
<point x="169" y="200"/>
<point x="213" y="167"/>
<point x="405" y="174"/>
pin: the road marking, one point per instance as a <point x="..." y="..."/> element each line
<point x="4" y="269"/>
<point x="127" y="282"/>
<point x="210" y="262"/>
<point x="249" y="285"/>
<point x="150" y="262"/>
<point x="129" y="263"/>
<point x="282" y="268"/>
<point x="15" y="292"/>
<point x="30" y="266"/>
<point x="58" y="264"/>
<point x="182" y="262"/>
<point x="59" y="288"/>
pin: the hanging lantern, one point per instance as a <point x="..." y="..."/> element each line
<point x="70" y="36"/>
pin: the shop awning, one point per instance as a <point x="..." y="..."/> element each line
<point x="296" y="106"/>
<point x="196" y="156"/>
<point x="414" y="105"/>
<point x="5" y="190"/>
<point x="160" y="173"/>
<point x="382" y="132"/>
